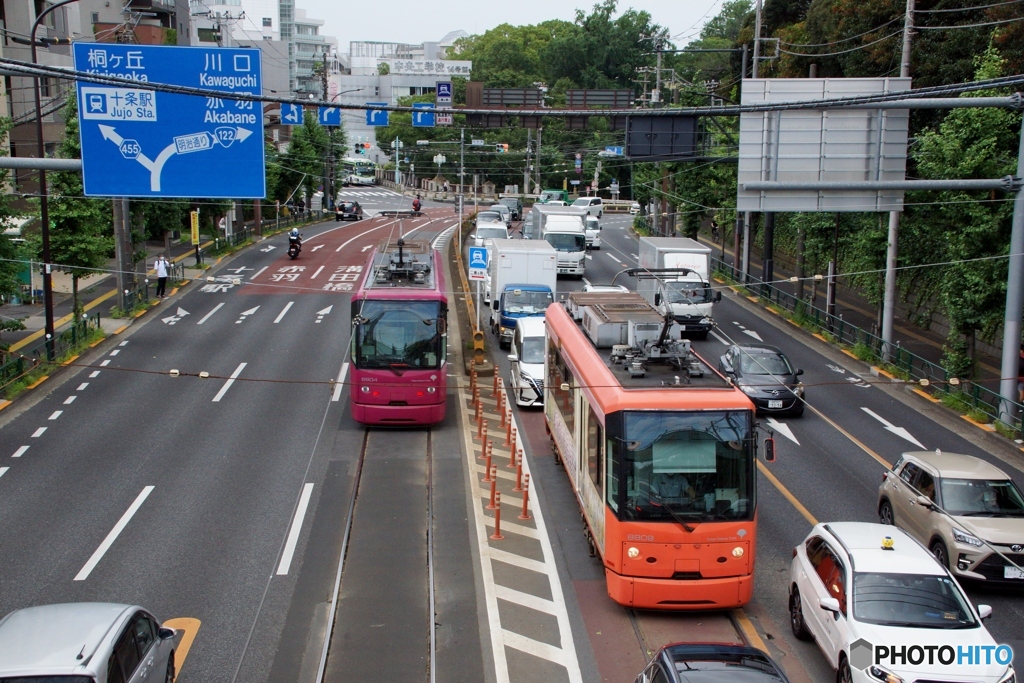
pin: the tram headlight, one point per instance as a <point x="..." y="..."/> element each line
<point x="633" y="553"/>
<point x="364" y="389"/>
<point x="737" y="552"/>
<point x="431" y="390"/>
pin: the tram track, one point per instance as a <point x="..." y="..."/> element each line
<point x="383" y="621"/>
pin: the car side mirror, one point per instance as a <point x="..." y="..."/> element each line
<point x="984" y="611"/>
<point x="799" y="372"/>
<point x="718" y="297"/>
<point x="829" y="605"/>
<point x="657" y="299"/>
<point x="513" y="357"/>
<point x="769" y="449"/>
<point x="166" y="633"/>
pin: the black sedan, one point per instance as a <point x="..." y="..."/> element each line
<point x="711" y="663"/>
<point x="765" y="375"/>
<point x="348" y="211"/>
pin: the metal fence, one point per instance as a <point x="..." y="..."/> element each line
<point x="964" y="394"/>
<point x="269" y="226"/>
<point x="14" y="366"/>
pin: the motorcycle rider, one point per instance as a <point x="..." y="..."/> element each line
<point x="416" y="203"/>
<point x="294" y="238"/>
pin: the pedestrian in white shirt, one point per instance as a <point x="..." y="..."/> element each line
<point x="161" y="276"/>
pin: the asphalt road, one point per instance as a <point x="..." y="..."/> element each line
<point x="830" y="460"/>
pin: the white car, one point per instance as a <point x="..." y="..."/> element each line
<point x="604" y="288"/>
<point x="634" y="208"/>
<point x="593" y="228"/>
<point x="526" y="361"/>
<point x="593" y="205"/>
<point x="883" y="610"/>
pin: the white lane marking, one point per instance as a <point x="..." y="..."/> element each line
<point x="243" y="314"/>
<point x="112" y="536"/>
<point x="115" y="352"/>
<point x="293" y="534"/>
<point x="56" y="414"/>
<point x="782" y="428"/>
<point x="94" y="374"/>
<point x="318" y="269"/>
<point x="341" y="382"/>
<point x="69" y="400"/>
<point x="370" y="246"/>
<point x="534" y="647"/>
<point x="720" y="340"/>
<point x="319" y="246"/>
<point x="753" y="334"/>
<point x="282" y="314"/>
<point x="231" y="380"/>
<point x="105" y="363"/>
<point x="321" y="313"/>
<point x="207" y="316"/>
<point x="39" y="432"/>
<point x="82" y="386"/>
<point x="253" y="276"/>
<point x="124" y="343"/>
<point x="890" y="427"/>
<point x="586" y="282"/>
<point x="20" y="452"/>
<point x="3" y="470"/>
<point x="613" y="257"/>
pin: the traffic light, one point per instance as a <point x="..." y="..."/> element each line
<point x="501" y="148"/>
<point x="361" y="147"/>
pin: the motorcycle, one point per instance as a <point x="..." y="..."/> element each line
<point x="294" y="246"/>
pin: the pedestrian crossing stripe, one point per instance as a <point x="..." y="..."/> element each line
<point x="368" y="193"/>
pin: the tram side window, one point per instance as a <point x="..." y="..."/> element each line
<point x="595" y="435"/>
<point x="561" y="399"/>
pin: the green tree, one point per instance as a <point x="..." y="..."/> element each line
<point x="10" y="266"/>
<point x="81" y="232"/>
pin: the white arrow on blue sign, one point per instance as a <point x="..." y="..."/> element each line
<point x="291" y="115"/>
<point x="478" y="257"/>
<point x="376" y="117"/>
<point x="329" y="116"/>
<point x="141" y="143"/>
<point x="425" y="117"/>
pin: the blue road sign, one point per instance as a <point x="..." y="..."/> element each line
<point x="376" y="117"/>
<point x="425" y="118"/>
<point x="614" y="150"/>
<point x="143" y="143"/>
<point x="292" y="115"/>
<point x="328" y="116"/>
<point x="478" y="257"/>
<point x="444" y="90"/>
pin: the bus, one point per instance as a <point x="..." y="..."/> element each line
<point x="660" y="450"/>
<point x="358" y="172"/>
<point x="399" y="340"/>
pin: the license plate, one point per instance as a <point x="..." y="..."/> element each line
<point x="683" y="328"/>
<point x="774" y="404"/>
<point x="1013" y="573"/>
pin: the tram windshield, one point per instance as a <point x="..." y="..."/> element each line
<point x="682" y="466"/>
<point x="399" y="335"/>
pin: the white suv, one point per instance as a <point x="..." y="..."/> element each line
<point x="526" y="361"/>
<point x="882" y="609"/>
<point x="593" y="205"/>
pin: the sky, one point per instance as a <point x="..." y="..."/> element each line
<point x="416" y="21"/>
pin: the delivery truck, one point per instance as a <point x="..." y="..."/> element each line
<point x="522" y="279"/>
<point x="563" y="228"/>
<point x="674" y="277"/>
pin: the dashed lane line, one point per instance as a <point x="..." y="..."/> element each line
<point x="69" y="400"/>
<point x="207" y="316"/>
<point x="231" y="380"/>
<point x="83" y="574"/>
<point x="293" y="533"/>
<point x="281" y="315"/>
<point x="55" y="414"/>
<point x="38" y="433"/>
<point x="20" y="452"/>
<point x="340" y="384"/>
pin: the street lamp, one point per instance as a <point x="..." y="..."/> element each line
<point x="44" y="213"/>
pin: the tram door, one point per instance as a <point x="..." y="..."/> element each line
<point x="589" y="441"/>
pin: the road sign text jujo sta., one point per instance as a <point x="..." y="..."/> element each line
<point x="142" y="143"/>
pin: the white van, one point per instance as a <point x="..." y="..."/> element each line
<point x="593" y="228"/>
<point x="526" y="361"/>
<point x="593" y="205"/>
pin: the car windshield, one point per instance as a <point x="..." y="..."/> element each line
<point x="687" y="292"/>
<point x="533" y="350"/>
<point x="488" y="233"/>
<point x="485" y="216"/>
<point x="582" y="201"/>
<point x="567" y="242"/>
<point x="912" y="600"/>
<point x="764" y="364"/>
<point x="399" y="335"/>
<point x="981" y="498"/>
<point x="499" y="208"/>
<point x="592" y="223"/>
<point x="684" y="466"/>
<point x="510" y="203"/>
<point x="524" y="301"/>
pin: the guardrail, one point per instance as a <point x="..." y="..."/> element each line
<point x="970" y="397"/>
<point x="14" y="366"/>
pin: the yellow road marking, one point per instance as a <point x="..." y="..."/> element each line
<point x="860" y="444"/>
<point x="786" y="492"/>
<point x="747" y="626"/>
<point x="189" y="628"/>
<point x="38" y="334"/>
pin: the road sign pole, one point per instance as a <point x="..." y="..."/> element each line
<point x="478" y="304"/>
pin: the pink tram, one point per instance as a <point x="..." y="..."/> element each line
<point x="398" y="375"/>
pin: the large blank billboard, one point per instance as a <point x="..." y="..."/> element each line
<point x="821" y="145"/>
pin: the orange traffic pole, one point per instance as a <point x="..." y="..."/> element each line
<point x="512" y="457"/>
<point x="486" y="448"/>
<point x="501" y="409"/>
<point x="472" y="379"/>
<point x="487" y="469"/>
<point x="519" y="474"/>
<point x="494" y="392"/>
<point x="526" y="498"/>
<point x="497" y="518"/>
<point x="508" y="434"/>
<point x="494" y="486"/>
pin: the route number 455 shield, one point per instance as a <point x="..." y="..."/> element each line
<point x="140" y="142"/>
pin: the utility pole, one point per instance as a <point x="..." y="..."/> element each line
<point x="757" y="39"/>
<point x="889" y="297"/>
<point x="526" y="168"/>
<point x="536" y="163"/>
<point x="460" y="199"/>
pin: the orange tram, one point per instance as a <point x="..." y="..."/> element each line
<point x="660" y="449"/>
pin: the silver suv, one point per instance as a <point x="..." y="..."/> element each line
<point x="85" y="642"/>
<point x="966" y="511"/>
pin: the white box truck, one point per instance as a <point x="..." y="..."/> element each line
<point x="563" y="228"/>
<point x="674" y="277"/>
<point x="522" y="276"/>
